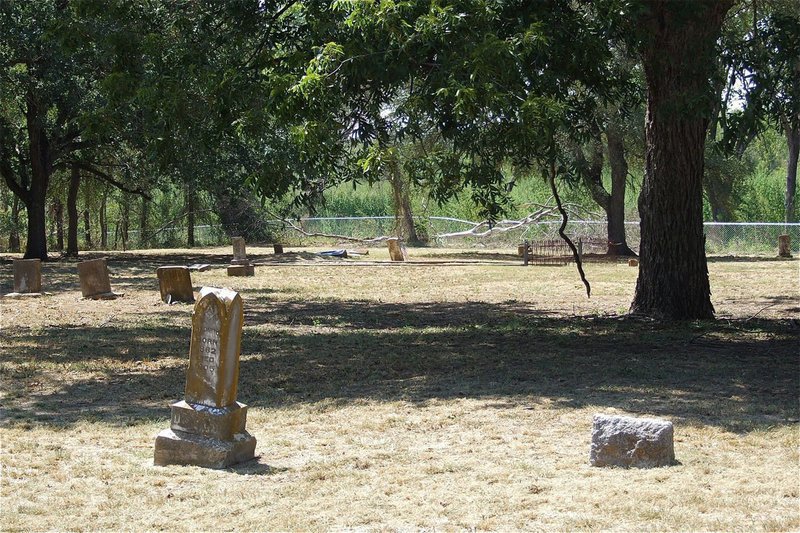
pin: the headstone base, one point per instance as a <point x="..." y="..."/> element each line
<point x="104" y="296"/>
<point x="240" y="261"/>
<point x="241" y="270"/>
<point x="215" y="422"/>
<point x="179" y="448"/>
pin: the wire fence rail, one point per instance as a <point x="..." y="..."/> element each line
<point x="722" y="238"/>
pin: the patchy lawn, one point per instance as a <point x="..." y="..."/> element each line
<point x="455" y="392"/>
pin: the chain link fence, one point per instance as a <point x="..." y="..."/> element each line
<point x="722" y="238"/>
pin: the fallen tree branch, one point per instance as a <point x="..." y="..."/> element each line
<point x="298" y="229"/>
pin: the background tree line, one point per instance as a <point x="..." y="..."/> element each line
<point x="191" y="106"/>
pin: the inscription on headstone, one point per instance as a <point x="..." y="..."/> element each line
<point x="94" y="280"/>
<point x="175" y="284"/>
<point x="27" y="276"/>
<point x="208" y="427"/>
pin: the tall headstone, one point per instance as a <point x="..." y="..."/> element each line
<point x="207" y="428"/>
<point x="240" y="265"/>
<point x="95" y="283"/>
<point x="397" y="252"/>
<point x="27" y="276"/>
<point x="175" y="284"/>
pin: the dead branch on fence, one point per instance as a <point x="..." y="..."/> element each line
<point x="169" y="224"/>
<point x="502" y="226"/>
<point x="300" y="230"/>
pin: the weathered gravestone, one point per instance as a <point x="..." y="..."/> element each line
<point x="175" y="284"/>
<point x="27" y="276"/>
<point x="240" y="265"/>
<point x="207" y="428"/>
<point x="94" y="280"/>
<point x="631" y="442"/>
<point x="277" y="249"/>
<point x="397" y="252"/>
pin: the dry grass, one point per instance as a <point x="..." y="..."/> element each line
<point x="445" y="396"/>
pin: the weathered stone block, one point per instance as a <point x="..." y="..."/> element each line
<point x="27" y="276"/>
<point x="631" y="442"/>
<point x="175" y="284"/>
<point x="239" y="250"/>
<point x="215" y="422"/>
<point x="241" y="270"/>
<point x="95" y="284"/>
<point x="180" y="448"/>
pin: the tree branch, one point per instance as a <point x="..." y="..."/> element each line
<point x="104" y="176"/>
<point x="552" y="180"/>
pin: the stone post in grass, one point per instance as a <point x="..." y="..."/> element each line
<point x="207" y="428"/>
<point x="175" y="284"/>
<point x="28" y="276"/>
<point x="240" y="265"/>
<point x="95" y="283"/>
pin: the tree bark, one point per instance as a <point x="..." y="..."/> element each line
<point x="404" y="218"/>
<point x="87" y="228"/>
<point x="104" y="220"/>
<point x="677" y="52"/>
<point x="41" y="169"/>
<point x="190" y="219"/>
<point x="793" y="140"/>
<point x="13" y="236"/>
<point x="615" y="213"/>
<point x="143" y="222"/>
<point x="72" y="212"/>
<point x="125" y="222"/>
<point x="58" y="215"/>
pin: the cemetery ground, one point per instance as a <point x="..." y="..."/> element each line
<point x="449" y="396"/>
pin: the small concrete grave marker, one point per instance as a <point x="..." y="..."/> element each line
<point x="240" y="265"/>
<point x="27" y="276"/>
<point x="199" y="267"/>
<point x="207" y="428"/>
<point x="631" y="442"/>
<point x="277" y="249"/>
<point x="94" y="280"/>
<point x="397" y="252"/>
<point x="175" y="284"/>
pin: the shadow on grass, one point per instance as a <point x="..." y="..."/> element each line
<point x="740" y="376"/>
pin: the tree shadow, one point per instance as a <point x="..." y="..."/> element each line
<point x="738" y="375"/>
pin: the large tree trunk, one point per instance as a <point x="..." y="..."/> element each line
<point x="403" y="216"/>
<point x="87" y="228"/>
<point x="72" y="212"/>
<point x="612" y="203"/>
<point x="125" y="222"/>
<point x="143" y="222"/>
<point x="677" y="52"/>
<point x="793" y="140"/>
<point x="615" y="213"/>
<point x="58" y="215"/>
<point x="190" y="218"/>
<point x="39" y="151"/>
<point x="104" y="220"/>
<point x="13" y="236"/>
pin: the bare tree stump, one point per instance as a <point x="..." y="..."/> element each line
<point x="784" y="246"/>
